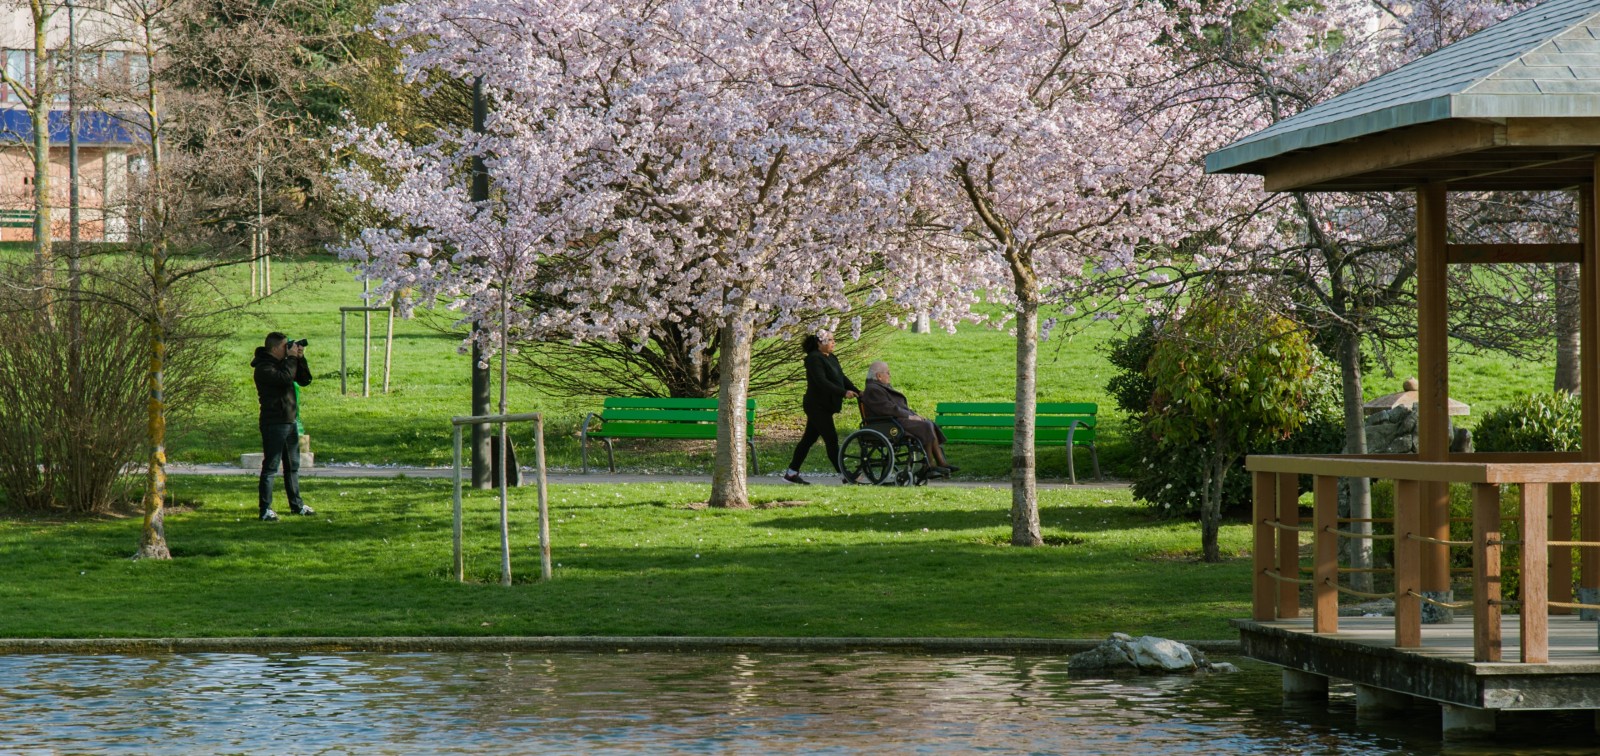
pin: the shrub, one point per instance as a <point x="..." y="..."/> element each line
<point x="1536" y="422"/>
<point x="1167" y="477"/>
<point x="75" y="406"/>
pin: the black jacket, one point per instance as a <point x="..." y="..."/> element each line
<point x="825" y="384"/>
<point x="275" y="380"/>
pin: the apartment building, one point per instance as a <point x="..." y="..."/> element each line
<point x="107" y="148"/>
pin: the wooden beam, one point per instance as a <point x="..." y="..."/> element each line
<point x="1479" y="254"/>
<point x="1264" y="593"/>
<point x="1535" y="576"/>
<point x="1552" y="132"/>
<point x="1387" y="150"/>
<point x="1433" y="377"/>
<point x="1407" y="564"/>
<point x="1346" y="466"/>
<point x="1325" y="568"/>
<point x="1485" y="572"/>
<point x="1561" y="559"/>
<point x="1589" y="375"/>
<point x="1289" y="546"/>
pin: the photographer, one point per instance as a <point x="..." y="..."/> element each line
<point x="279" y="366"/>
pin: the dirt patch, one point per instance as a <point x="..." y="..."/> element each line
<point x="781" y="504"/>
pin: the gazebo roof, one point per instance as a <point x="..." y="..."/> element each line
<point x="1515" y="106"/>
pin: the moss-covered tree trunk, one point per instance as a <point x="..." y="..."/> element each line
<point x="153" y="538"/>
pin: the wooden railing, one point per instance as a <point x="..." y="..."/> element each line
<point x="1544" y="482"/>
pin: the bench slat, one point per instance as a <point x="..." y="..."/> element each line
<point x="1003" y="435"/>
<point x="656" y="430"/>
<point x="1010" y="408"/>
<point x="660" y="416"/>
<point x="1007" y="421"/>
<point x="624" y="402"/>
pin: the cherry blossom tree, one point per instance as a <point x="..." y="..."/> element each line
<point x="1060" y="141"/>
<point x="654" y="155"/>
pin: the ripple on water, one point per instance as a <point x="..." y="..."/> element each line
<point x="361" y="703"/>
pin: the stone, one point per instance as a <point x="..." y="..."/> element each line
<point x="1122" y="653"/>
<point x="252" y="460"/>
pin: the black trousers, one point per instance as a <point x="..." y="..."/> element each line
<point x="280" y="445"/>
<point x="819" y="424"/>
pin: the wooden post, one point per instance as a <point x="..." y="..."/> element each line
<point x="1561" y="559"/>
<point x="1433" y="378"/>
<point x="388" y="350"/>
<point x="1407" y="564"/>
<point x="544" y="497"/>
<point x="1485" y="572"/>
<point x="1289" y="545"/>
<point x="1325" y="569"/>
<point x="460" y="561"/>
<point x="1264" y="595"/>
<point x="342" y="390"/>
<point x="1535" y="576"/>
<point x="1589" y="382"/>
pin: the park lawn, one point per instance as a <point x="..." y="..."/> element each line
<point x="632" y="559"/>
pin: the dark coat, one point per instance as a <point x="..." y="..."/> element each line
<point x="881" y="400"/>
<point x="275" y="380"/>
<point x="825" y="384"/>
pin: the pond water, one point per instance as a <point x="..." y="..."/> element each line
<point x="480" y="703"/>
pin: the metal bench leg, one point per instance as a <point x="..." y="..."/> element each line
<point x="1094" y="452"/>
<point x="611" y="457"/>
<point x="755" y="465"/>
<point x="1072" y="471"/>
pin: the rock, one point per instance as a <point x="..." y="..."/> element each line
<point x="1122" y="653"/>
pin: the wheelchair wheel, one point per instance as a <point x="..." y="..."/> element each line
<point x="912" y="459"/>
<point x="867" y="455"/>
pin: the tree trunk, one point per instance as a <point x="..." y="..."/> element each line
<point x="1024" y="485"/>
<point x="153" y="539"/>
<point x="39" y="116"/>
<point x="729" y="489"/>
<point x="1211" y="507"/>
<point x="1355" y="442"/>
<point x="1567" y="312"/>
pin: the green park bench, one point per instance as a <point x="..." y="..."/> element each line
<point x="623" y="417"/>
<point x="1068" y="423"/>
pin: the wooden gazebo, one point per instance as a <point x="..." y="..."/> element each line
<point x="1515" y="107"/>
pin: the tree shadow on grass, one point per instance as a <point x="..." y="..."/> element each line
<point x="1054" y="518"/>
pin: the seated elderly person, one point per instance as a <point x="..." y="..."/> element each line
<point x="879" y="399"/>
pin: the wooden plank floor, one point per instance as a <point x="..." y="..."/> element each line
<point x="1572" y="641"/>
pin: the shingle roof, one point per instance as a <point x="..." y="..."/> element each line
<point x="1543" y="62"/>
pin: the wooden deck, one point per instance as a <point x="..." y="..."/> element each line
<point x="1442" y="669"/>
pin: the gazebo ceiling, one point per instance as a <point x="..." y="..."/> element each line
<point x="1516" y="106"/>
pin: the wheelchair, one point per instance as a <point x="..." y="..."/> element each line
<point x="883" y="453"/>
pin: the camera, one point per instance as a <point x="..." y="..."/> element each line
<point x="302" y="342"/>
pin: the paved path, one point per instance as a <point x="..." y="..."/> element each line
<point x="569" y="477"/>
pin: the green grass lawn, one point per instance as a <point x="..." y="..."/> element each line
<point x="632" y="559"/>
<point x="410" y="425"/>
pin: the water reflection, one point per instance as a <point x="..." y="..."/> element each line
<point x="684" y="703"/>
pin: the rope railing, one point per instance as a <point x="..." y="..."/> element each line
<point x="1438" y="603"/>
<point x="1275" y="575"/>
<point x="1575" y="544"/>
<point x="1279" y="524"/>
<point x="1567" y="605"/>
<point x="1437" y="541"/>
<point x="1363" y="594"/>
<point x="1371" y="536"/>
